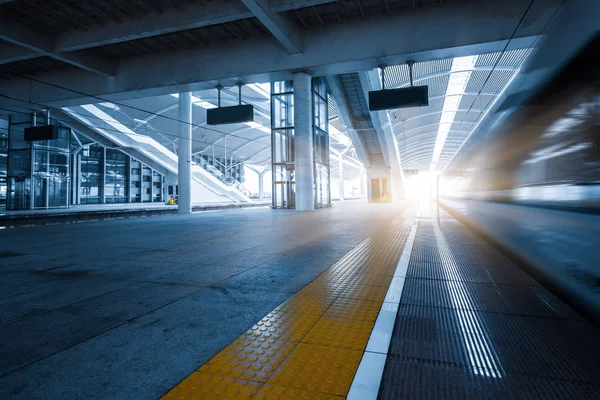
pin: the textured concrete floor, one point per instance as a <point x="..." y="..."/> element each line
<point x="126" y="309"/>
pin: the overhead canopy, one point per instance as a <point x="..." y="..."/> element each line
<point x="157" y="117"/>
<point x="461" y="90"/>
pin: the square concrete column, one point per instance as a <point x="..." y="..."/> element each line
<point x="303" y="142"/>
<point x="184" y="155"/>
<point x="341" y="176"/>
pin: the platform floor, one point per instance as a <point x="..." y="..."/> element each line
<point x="262" y="304"/>
<point x="471" y="324"/>
<point x="563" y="246"/>
<point x="128" y="308"/>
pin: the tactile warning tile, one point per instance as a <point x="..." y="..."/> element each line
<point x="202" y="385"/>
<point x="344" y="334"/>
<point x="250" y="358"/>
<point x="272" y="392"/>
<point x="351" y="309"/>
<point x="292" y="329"/>
<point x="293" y="319"/>
<point x="337" y="311"/>
<point x="321" y="369"/>
<point x="365" y="292"/>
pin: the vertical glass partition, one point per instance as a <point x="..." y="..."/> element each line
<point x="116" y="187"/>
<point x="91" y="186"/>
<point x="282" y="144"/>
<point x="321" y="144"/>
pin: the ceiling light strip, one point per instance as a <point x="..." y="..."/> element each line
<point x="460" y="74"/>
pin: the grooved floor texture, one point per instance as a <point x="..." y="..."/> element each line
<point x="311" y="345"/>
<point x="472" y="325"/>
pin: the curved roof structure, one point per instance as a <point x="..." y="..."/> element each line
<point x="461" y="90"/>
<point x="157" y="117"/>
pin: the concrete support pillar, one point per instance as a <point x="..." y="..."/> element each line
<point x="341" y="177"/>
<point x="363" y="184"/>
<point x="184" y="166"/>
<point x="303" y="142"/>
<point x="261" y="192"/>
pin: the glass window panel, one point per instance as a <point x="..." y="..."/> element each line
<point x="19" y="163"/>
<point x="17" y="138"/>
<point x="283" y="146"/>
<point x="282" y="111"/>
<point x="117" y="167"/>
<point x="18" y="193"/>
<point x="91" y="187"/>
<point x="282" y="87"/>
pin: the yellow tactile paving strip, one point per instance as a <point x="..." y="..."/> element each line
<point x="310" y="346"/>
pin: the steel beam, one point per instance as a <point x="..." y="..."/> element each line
<point x="434" y="33"/>
<point x="191" y="17"/>
<point x="280" y="27"/>
<point x="40" y="44"/>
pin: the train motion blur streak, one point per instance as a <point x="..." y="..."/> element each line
<point x="540" y="147"/>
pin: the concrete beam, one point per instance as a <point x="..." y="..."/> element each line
<point x="422" y="35"/>
<point x="39" y="43"/>
<point x="9" y="54"/>
<point x="190" y="17"/>
<point x="287" y="5"/>
<point x="284" y="30"/>
<point x="343" y="109"/>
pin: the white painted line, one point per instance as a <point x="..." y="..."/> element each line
<point x="370" y="372"/>
<point x="379" y="342"/>
<point x="365" y="385"/>
<point x="394" y="293"/>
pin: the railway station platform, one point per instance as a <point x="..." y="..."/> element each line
<point x="100" y="212"/>
<point x="358" y="301"/>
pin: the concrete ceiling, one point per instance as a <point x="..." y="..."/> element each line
<point x="71" y="53"/>
<point x="135" y="54"/>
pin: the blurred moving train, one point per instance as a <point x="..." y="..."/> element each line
<point x="548" y="151"/>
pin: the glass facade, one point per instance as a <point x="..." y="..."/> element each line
<point x="60" y="172"/>
<point x="38" y="173"/>
<point x="282" y="144"/>
<point x="3" y="160"/>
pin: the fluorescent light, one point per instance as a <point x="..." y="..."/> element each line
<point x="460" y="74"/>
<point x="482" y="117"/>
<point x="140" y="121"/>
<point x="110" y="105"/>
<point x="463" y="63"/>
